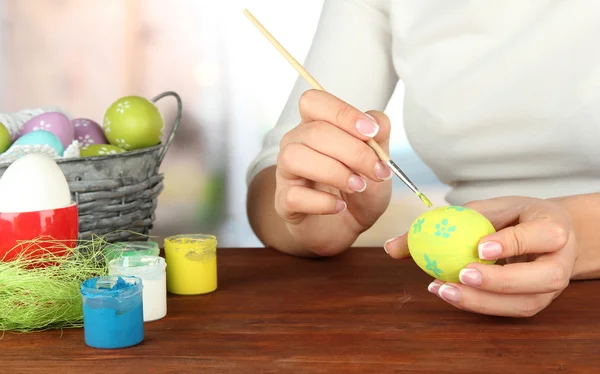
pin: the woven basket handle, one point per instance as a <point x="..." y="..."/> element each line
<point x="162" y="154"/>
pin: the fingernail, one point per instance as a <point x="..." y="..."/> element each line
<point x="367" y="127"/>
<point x="340" y="206"/>
<point x="382" y="171"/>
<point x="449" y="293"/>
<point x="470" y="277"/>
<point x="387" y="242"/>
<point x="356" y="183"/>
<point x="434" y="286"/>
<point x="489" y="250"/>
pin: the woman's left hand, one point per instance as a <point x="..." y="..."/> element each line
<point x="537" y="241"/>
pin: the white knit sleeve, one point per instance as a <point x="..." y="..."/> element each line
<point x="350" y="56"/>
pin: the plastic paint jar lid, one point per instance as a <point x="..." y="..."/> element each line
<point x="198" y="244"/>
<point x="145" y="267"/>
<point x="112" y="311"/>
<point x="124" y="249"/>
<point x="107" y="288"/>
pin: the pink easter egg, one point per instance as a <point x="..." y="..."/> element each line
<point x="88" y="132"/>
<point x="54" y="122"/>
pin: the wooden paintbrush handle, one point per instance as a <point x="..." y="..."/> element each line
<point x="377" y="148"/>
<point x="306" y="75"/>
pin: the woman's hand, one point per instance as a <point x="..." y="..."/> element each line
<point x="330" y="185"/>
<point x="536" y="239"/>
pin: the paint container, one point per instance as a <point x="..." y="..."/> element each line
<point x="113" y="314"/>
<point x="124" y="249"/>
<point x="151" y="270"/>
<point x="192" y="264"/>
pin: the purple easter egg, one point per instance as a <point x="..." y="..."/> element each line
<point x="88" y="132"/>
<point x="54" y="122"/>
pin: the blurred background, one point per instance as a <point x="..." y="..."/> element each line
<point x="82" y="55"/>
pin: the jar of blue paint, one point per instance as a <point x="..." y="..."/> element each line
<point x="113" y="314"/>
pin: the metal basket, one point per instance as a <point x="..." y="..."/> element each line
<point x="117" y="194"/>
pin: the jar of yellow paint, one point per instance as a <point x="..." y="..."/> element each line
<point x="191" y="264"/>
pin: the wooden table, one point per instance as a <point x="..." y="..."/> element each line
<point x="359" y="312"/>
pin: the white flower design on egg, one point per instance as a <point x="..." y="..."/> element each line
<point x="107" y="125"/>
<point x="106" y="151"/>
<point x="81" y="123"/>
<point x="86" y="141"/>
<point x="43" y="126"/>
<point x="122" y="106"/>
<point x="122" y="143"/>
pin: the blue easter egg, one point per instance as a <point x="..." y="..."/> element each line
<point x="41" y="137"/>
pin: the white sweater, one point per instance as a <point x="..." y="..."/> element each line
<point x="502" y="97"/>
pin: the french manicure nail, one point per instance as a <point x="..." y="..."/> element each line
<point x="367" y="127"/>
<point x="356" y="183"/>
<point x="489" y="250"/>
<point x="382" y="171"/>
<point x="470" y="277"/>
<point x="449" y="293"/>
<point x="434" y="287"/>
<point x="340" y="206"/>
<point x="388" y="242"/>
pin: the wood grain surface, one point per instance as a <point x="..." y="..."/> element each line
<point x="361" y="312"/>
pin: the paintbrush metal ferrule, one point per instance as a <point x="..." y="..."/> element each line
<point x="396" y="170"/>
<point x="402" y="176"/>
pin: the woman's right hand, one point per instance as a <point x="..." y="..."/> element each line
<point x="331" y="186"/>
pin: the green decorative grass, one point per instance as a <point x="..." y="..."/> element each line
<point x="41" y="291"/>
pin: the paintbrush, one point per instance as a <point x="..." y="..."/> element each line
<point x="314" y="84"/>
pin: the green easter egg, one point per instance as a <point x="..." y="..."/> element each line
<point x="444" y="240"/>
<point x="4" y="138"/>
<point x="133" y="122"/>
<point x="100" y="150"/>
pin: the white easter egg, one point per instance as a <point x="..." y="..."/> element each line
<point x="32" y="183"/>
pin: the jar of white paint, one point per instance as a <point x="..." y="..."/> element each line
<point x="152" y="271"/>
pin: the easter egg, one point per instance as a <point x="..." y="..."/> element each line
<point x="40" y="138"/>
<point x="100" y="150"/>
<point x="444" y="240"/>
<point x="4" y="138"/>
<point x="133" y="122"/>
<point x="33" y="183"/>
<point x="36" y="204"/>
<point x="88" y="132"/>
<point x="54" y="122"/>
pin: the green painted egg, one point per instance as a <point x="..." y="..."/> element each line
<point x="133" y="122"/>
<point x="444" y="240"/>
<point x="100" y="150"/>
<point x="4" y="138"/>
